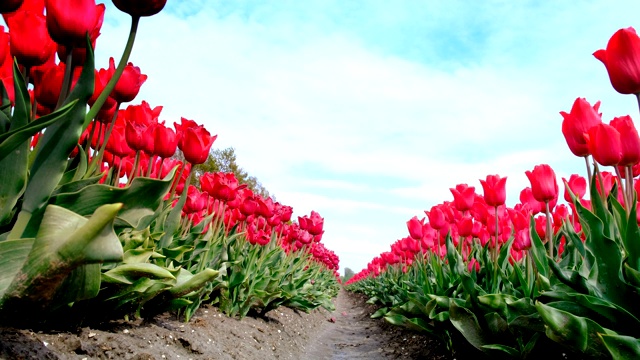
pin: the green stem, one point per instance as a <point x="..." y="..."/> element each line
<point x="66" y="82"/>
<point x="548" y="233"/>
<point x="152" y="160"/>
<point x="116" y="76"/>
<point x="172" y="192"/>
<point x="630" y="188"/>
<point x="96" y="160"/>
<point x="134" y="169"/>
<point x="589" y="175"/>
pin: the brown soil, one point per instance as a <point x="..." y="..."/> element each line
<point x="346" y="333"/>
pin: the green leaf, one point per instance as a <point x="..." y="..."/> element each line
<point x="130" y="273"/>
<point x="621" y="347"/>
<point x="64" y="242"/>
<point x="514" y="353"/>
<point x="140" y="199"/>
<point x="630" y="240"/>
<point x="21" y="133"/>
<point x="14" y="156"/>
<point x="187" y="282"/>
<point x="380" y="313"/>
<point x="538" y="251"/>
<point x="575" y="332"/>
<point x="53" y="151"/>
<point x="466" y="322"/>
<point x="13" y="254"/>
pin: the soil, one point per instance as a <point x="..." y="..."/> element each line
<point x="346" y="333"/>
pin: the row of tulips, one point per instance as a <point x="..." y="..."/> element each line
<point x="97" y="210"/>
<point x="520" y="281"/>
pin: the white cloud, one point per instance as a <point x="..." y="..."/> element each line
<point x="332" y="103"/>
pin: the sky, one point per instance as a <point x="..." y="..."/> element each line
<point x="369" y="111"/>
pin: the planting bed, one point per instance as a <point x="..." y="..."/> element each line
<point x="281" y="334"/>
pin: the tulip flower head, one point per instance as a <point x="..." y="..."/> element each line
<point x="495" y="193"/>
<point x="543" y="183"/>
<point x="622" y="60"/>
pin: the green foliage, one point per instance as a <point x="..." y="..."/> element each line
<point x="225" y="160"/>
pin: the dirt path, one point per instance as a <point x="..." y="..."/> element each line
<point x="346" y="333"/>
<point x="354" y="335"/>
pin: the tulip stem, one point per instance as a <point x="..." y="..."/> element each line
<point x="98" y="158"/>
<point x="622" y="185"/>
<point x="589" y="175"/>
<point x="66" y="82"/>
<point x="630" y="188"/>
<point x="135" y="20"/>
<point x="548" y="234"/>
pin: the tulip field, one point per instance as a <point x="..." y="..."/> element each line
<point x="101" y="207"/>
<point x="541" y="276"/>
<point x="99" y="204"/>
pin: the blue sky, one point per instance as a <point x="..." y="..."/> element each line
<point x="369" y="111"/>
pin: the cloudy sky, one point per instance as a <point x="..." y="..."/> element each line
<point x="369" y="111"/>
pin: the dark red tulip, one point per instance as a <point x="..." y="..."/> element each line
<point x="622" y="60"/>
<point x="140" y="7"/>
<point x="220" y="186"/>
<point x="4" y="45"/>
<point x="128" y="86"/>
<point x="69" y="21"/>
<point x="30" y="42"/>
<point x="195" y="144"/>
<point x="166" y="141"/>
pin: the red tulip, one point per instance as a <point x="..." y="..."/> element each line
<point x="79" y="52"/>
<point x="436" y="217"/>
<point x="543" y="183"/>
<point x="526" y="198"/>
<point x="465" y="226"/>
<point x="522" y="240"/>
<point x="220" y="186"/>
<point x="473" y="266"/>
<point x="195" y="144"/>
<point x="575" y="124"/>
<point x="69" y="21"/>
<point x="578" y="186"/>
<point x="415" y="228"/>
<point x="495" y="193"/>
<point x="629" y="140"/>
<point x="196" y="200"/>
<point x="312" y="224"/>
<point x="129" y="84"/>
<point x="622" y="60"/>
<point x="140" y="7"/>
<point x="165" y="141"/>
<point x="30" y="42"/>
<point x="604" y="144"/>
<point x="463" y="197"/>
<point x="139" y="118"/>
<point x="4" y="45"/>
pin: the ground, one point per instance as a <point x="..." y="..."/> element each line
<point x="346" y="333"/>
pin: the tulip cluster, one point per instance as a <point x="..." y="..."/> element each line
<point x="478" y="267"/>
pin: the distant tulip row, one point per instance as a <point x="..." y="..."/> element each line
<point x="98" y="200"/>
<point x="480" y="267"/>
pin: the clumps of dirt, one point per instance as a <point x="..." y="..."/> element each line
<point x="281" y="334"/>
<point x="346" y="333"/>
